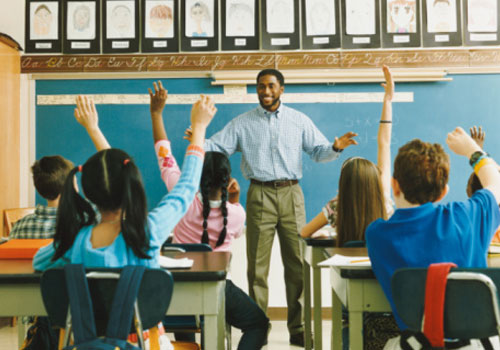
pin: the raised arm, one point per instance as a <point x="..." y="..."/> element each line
<point x="486" y="168"/>
<point x="86" y="115"/>
<point x="156" y="105"/>
<point x="384" y="132"/>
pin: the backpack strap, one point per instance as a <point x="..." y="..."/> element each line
<point x="122" y="309"/>
<point x="435" y="288"/>
<point x="82" y="313"/>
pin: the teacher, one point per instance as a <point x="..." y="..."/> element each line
<point x="271" y="139"/>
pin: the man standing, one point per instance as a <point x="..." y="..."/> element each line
<point x="271" y="139"/>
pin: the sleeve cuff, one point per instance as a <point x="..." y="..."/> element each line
<point x="195" y="151"/>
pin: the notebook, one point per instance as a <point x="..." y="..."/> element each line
<point x="22" y="248"/>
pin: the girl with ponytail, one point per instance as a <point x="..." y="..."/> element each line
<point x="126" y="234"/>
<point x="214" y="217"/>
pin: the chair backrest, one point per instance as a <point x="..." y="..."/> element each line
<point x="354" y="244"/>
<point x="471" y="301"/>
<point x="155" y="293"/>
<point x="188" y="247"/>
<point x="13" y="215"/>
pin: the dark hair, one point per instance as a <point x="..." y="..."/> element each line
<point x="360" y="199"/>
<point x="49" y="174"/>
<point x="111" y="183"/>
<point x="421" y="169"/>
<point x="215" y="175"/>
<point x="275" y="72"/>
<point x="473" y="185"/>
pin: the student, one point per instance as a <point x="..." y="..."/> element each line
<point x="126" y="235"/>
<point x="421" y="232"/>
<point x="473" y="184"/>
<point x="215" y="217"/>
<point x="364" y="188"/>
<point x="49" y="174"/>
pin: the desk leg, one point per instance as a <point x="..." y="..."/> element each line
<point x="307" y="304"/>
<point x="336" y="322"/>
<point x="318" y="319"/>
<point x="22" y="328"/>
<point x="214" y="329"/>
<point x="356" y="330"/>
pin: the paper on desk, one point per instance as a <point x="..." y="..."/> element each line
<point x="494" y="248"/>
<point x="170" y="263"/>
<point x="347" y="261"/>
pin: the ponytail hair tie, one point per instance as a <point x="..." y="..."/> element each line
<point x="80" y="168"/>
<point x="126" y="161"/>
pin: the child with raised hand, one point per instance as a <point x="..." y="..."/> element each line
<point x="126" y="234"/>
<point x="364" y="188"/>
<point x="214" y="217"/>
<point x="422" y="232"/>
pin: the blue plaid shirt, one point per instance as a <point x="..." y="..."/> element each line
<point x="272" y="143"/>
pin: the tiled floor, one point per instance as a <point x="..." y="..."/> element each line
<point x="278" y="338"/>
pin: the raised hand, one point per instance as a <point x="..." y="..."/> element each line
<point x="85" y="113"/>
<point x="188" y="133"/>
<point x="233" y="190"/>
<point x="202" y="112"/>
<point x="389" y="84"/>
<point x="478" y="135"/>
<point x="461" y="143"/>
<point x="345" y="140"/>
<point x="158" y="99"/>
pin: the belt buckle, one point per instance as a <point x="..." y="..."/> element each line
<point x="280" y="183"/>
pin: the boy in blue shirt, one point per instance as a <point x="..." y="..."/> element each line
<point x="421" y="232"/>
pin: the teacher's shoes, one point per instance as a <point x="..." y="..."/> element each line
<point x="298" y="339"/>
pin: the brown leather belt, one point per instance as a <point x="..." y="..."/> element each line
<point x="276" y="183"/>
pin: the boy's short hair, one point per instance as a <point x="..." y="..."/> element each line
<point x="49" y="174"/>
<point x="421" y="169"/>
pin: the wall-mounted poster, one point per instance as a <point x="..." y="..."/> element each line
<point x="43" y="26"/>
<point x="240" y="30"/>
<point x="441" y="24"/>
<point x="320" y="24"/>
<point x="400" y="23"/>
<point x="280" y="24"/>
<point x="361" y="24"/>
<point x="160" y="26"/>
<point x="120" y="26"/>
<point x="82" y="27"/>
<point x="199" y="25"/>
<point x="481" y="24"/>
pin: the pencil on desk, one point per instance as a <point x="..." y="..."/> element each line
<point x="359" y="260"/>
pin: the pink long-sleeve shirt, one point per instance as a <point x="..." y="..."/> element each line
<point x="190" y="227"/>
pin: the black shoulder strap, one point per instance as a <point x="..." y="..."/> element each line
<point x="122" y="309"/>
<point x="82" y="313"/>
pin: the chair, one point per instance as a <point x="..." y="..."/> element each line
<point x="471" y="301"/>
<point x="13" y="215"/>
<point x="153" y="298"/>
<point x="354" y="244"/>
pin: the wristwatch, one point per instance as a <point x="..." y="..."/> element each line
<point x="476" y="156"/>
<point x="338" y="150"/>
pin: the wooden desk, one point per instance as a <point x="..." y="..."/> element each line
<point x="197" y="291"/>
<point x="314" y="253"/>
<point x="359" y="291"/>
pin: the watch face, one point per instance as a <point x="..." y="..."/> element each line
<point x="475" y="156"/>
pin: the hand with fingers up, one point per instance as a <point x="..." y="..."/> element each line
<point x="86" y="115"/>
<point x="478" y="135"/>
<point x="158" y="99"/>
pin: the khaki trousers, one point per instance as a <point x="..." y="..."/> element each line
<point x="271" y="210"/>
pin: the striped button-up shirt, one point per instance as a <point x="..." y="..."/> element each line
<point x="271" y="143"/>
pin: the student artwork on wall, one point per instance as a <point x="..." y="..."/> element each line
<point x="441" y="25"/>
<point x="159" y="26"/>
<point x="240" y="30"/>
<point x="43" y="26"/>
<point x="320" y="24"/>
<point x="199" y="25"/>
<point x="280" y="24"/>
<point x="400" y="23"/>
<point x="81" y="26"/>
<point x="120" y="26"/>
<point x="481" y="24"/>
<point x="361" y="24"/>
